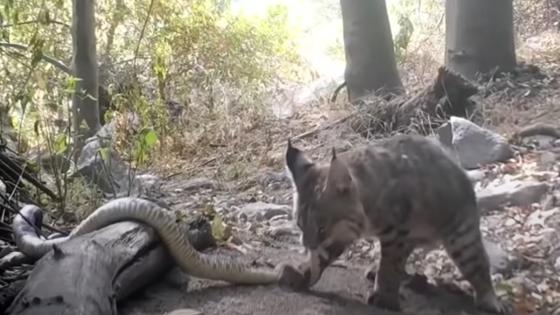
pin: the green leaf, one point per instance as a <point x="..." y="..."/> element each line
<point x="104" y="153"/>
<point x="220" y="230"/>
<point x="60" y="143"/>
<point x="150" y="138"/>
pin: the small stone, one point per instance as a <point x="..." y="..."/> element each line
<point x="514" y="193"/>
<point x="476" y="175"/>
<point x="262" y="211"/>
<point x="557" y="264"/>
<point x="198" y="183"/>
<point x="242" y="217"/>
<point x="282" y="230"/>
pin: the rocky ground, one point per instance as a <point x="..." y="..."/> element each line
<point x="516" y="176"/>
<point x="519" y="198"/>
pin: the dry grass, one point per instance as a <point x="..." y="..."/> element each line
<point x="231" y="145"/>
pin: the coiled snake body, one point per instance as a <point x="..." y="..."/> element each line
<point x="136" y="209"/>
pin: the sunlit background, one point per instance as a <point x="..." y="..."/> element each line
<point x="317" y="26"/>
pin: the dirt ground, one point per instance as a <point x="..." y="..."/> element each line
<point x="341" y="290"/>
<point x="343" y="287"/>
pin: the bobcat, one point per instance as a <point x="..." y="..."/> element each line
<point x="407" y="192"/>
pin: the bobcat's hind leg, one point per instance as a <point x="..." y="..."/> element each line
<point x="463" y="243"/>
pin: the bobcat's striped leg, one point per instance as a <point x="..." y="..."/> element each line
<point x="463" y="242"/>
<point x="394" y="254"/>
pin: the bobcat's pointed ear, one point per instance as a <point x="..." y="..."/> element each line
<point x="339" y="180"/>
<point x="296" y="161"/>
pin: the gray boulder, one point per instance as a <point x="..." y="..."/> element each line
<point x="473" y="145"/>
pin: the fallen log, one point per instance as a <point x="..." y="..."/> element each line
<point x="90" y="273"/>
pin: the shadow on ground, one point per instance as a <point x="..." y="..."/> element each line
<point x="342" y="290"/>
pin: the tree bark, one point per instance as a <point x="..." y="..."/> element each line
<point x="479" y="36"/>
<point x="89" y="274"/>
<point x="368" y="46"/>
<point x="84" y="63"/>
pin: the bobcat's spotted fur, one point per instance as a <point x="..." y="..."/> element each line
<point x="407" y="192"/>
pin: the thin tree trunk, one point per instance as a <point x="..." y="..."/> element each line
<point x="479" y="36"/>
<point x="368" y="45"/>
<point x="84" y="102"/>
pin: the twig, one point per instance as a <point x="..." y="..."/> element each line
<point x="320" y="128"/>
<point x="336" y="91"/>
<point x="34" y="22"/>
<point x="191" y="168"/>
<point x="143" y="30"/>
<point x="57" y="63"/>
<point x="14" y="168"/>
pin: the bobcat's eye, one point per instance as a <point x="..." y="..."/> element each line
<point x="321" y="230"/>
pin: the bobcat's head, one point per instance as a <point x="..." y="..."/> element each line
<point x="327" y="206"/>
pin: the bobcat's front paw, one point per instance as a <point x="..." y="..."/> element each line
<point x="384" y="301"/>
<point x="492" y="304"/>
<point x="292" y="278"/>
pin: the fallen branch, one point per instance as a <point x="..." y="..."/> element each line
<point x="90" y="273"/>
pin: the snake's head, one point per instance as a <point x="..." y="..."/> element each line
<point x="294" y="278"/>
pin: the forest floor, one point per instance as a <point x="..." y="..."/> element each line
<point x="257" y="208"/>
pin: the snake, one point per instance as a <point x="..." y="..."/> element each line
<point x="190" y="260"/>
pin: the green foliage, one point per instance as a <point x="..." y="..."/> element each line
<point x="60" y="143"/>
<point x="197" y="52"/>
<point x="147" y="139"/>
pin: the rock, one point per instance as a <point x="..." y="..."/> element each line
<point x="551" y="201"/>
<point x="476" y="175"/>
<point x="285" y="229"/>
<point x="198" y="183"/>
<point x="514" y="193"/>
<point x="262" y="211"/>
<point x="272" y="179"/>
<point x="473" y="145"/>
<point x="145" y="186"/>
<point x="185" y="311"/>
<point x="500" y="261"/>
<point x="50" y="161"/>
<point x="548" y="159"/>
<point x="100" y="165"/>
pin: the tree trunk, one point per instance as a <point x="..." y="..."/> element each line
<point x="89" y="274"/>
<point x="479" y="36"/>
<point x="84" y="63"/>
<point x="368" y="46"/>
